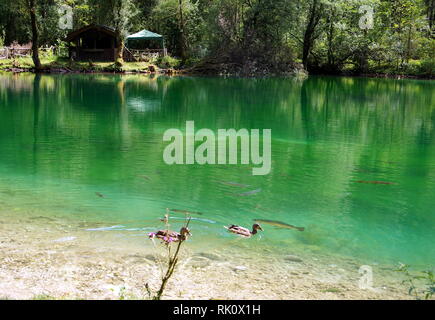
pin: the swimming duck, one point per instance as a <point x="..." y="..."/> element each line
<point x="244" y="232"/>
<point x="169" y="236"/>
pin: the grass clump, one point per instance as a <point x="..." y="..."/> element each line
<point x="332" y="290"/>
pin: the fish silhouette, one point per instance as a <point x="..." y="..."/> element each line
<point x="185" y="211"/>
<point x="234" y="184"/>
<point x="376" y="182"/>
<point x="249" y="193"/>
<point x="279" y="224"/>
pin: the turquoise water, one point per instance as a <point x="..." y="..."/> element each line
<point x="64" y="138"/>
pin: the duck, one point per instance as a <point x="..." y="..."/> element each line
<point x="244" y="232"/>
<point x="169" y="236"/>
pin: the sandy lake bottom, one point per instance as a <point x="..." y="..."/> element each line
<point x="42" y="257"/>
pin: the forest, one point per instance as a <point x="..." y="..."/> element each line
<point x="252" y="37"/>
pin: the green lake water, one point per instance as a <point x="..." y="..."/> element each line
<point x="64" y="138"/>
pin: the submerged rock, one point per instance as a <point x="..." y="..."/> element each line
<point x="65" y="239"/>
<point x="291" y="258"/>
<point x="210" y="256"/>
<point x="198" y="262"/>
<point x="151" y="257"/>
<point x="240" y="268"/>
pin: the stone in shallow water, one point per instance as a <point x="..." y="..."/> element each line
<point x="240" y="268"/>
<point x="151" y="257"/>
<point x="291" y="258"/>
<point x="210" y="256"/>
<point x="199" y="262"/>
<point x="65" y="239"/>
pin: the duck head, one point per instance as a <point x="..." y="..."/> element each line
<point x="255" y="228"/>
<point x="184" y="233"/>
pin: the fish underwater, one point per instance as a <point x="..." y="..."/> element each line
<point x="279" y="224"/>
<point x="185" y="211"/>
<point x="234" y="184"/>
<point x="194" y="219"/>
<point x="100" y="194"/>
<point x="376" y="182"/>
<point x="249" y="193"/>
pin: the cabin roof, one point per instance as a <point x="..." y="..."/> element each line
<point x="101" y="28"/>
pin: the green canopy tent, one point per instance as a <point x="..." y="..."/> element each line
<point x="143" y="36"/>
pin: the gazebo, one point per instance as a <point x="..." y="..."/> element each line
<point x="145" y="44"/>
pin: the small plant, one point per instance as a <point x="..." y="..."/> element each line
<point x="124" y="294"/>
<point x="429" y="282"/>
<point x="15" y="63"/>
<point x="332" y="290"/>
<point x="117" y="66"/>
<point x="43" y="297"/>
<point x="169" y="239"/>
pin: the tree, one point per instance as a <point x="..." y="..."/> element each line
<point x="256" y="36"/>
<point x="31" y="6"/>
<point x="181" y="23"/>
<point x="314" y="15"/>
<point x="430" y="13"/>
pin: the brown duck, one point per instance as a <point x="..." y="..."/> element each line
<point x="169" y="236"/>
<point x="244" y="232"/>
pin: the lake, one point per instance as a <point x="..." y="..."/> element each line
<point x="89" y="148"/>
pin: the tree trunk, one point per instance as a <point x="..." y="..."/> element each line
<point x="362" y="57"/>
<point x="35" y="35"/>
<point x="119" y="48"/>
<point x="313" y="20"/>
<point x="119" y="23"/>
<point x="408" y="45"/>
<point x="330" y="39"/>
<point x="430" y="9"/>
<point x="182" y="42"/>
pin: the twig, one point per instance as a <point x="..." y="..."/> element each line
<point x="172" y="263"/>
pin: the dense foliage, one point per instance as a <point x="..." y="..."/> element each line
<point x="254" y="36"/>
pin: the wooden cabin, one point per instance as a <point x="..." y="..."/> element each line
<point x="92" y="43"/>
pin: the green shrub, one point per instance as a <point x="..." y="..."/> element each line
<point x="190" y="62"/>
<point x="167" y="61"/>
<point x="411" y="67"/>
<point x="427" y="67"/>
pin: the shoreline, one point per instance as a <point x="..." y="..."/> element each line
<point x="185" y="72"/>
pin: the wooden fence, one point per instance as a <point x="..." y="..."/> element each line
<point x="4" y="53"/>
<point x="129" y="54"/>
<point x="143" y="55"/>
<point x="11" y="53"/>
